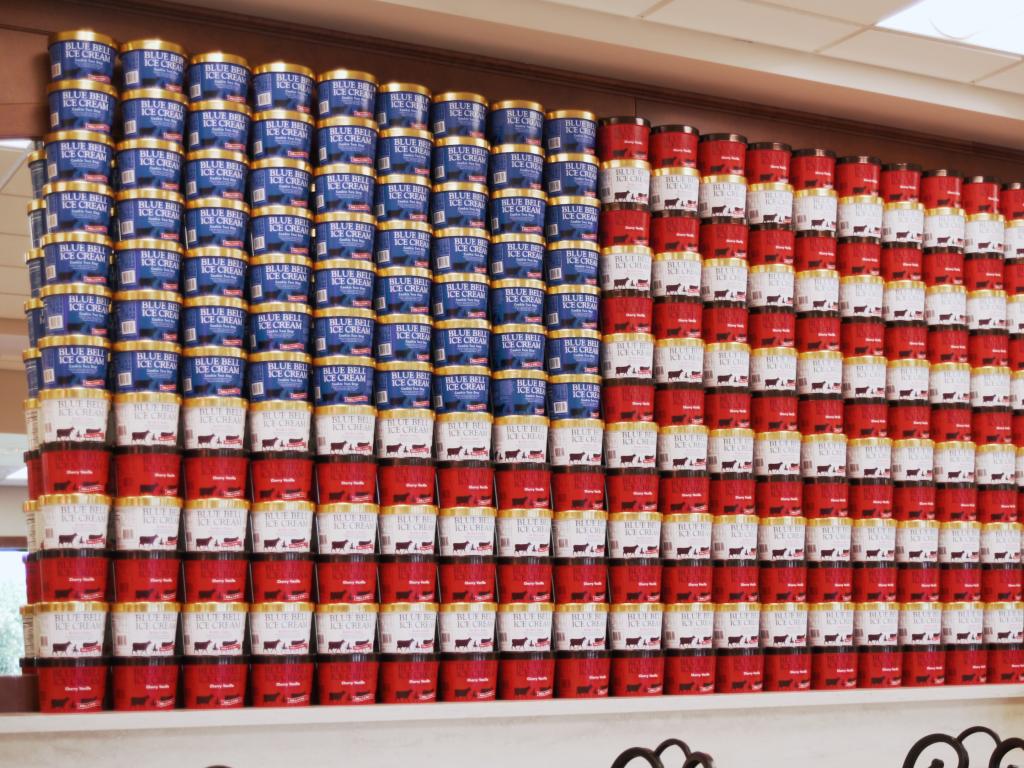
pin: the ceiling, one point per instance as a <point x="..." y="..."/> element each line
<point x="822" y="56"/>
<point x="15" y="195"/>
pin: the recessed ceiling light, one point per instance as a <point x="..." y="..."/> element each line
<point x="994" y="24"/>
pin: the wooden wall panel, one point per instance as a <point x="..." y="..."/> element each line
<point x="24" y="26"/>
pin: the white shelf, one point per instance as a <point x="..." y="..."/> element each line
<point x="32" y="723"/>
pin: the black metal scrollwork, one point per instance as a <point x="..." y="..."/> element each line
<point x="633" y="753"/>
<point x="1004" y="748"/>
<point x="931" y="740"/>
<point x="668" y="744"/>
<point x="653" y="757"/>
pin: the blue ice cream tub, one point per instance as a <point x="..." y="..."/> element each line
<point x="81" y="105"/>
<point x="517" y="212"/>
<point x="215" y="321"/>
<point x="35" y="265"/>
<point x="345" y="93"/>
<point x="74" y="361"/>
<point x="570" y="130"/>
<point x="216" y="173"/>
<point x="216" y="223"/>
<point x="149" y="164"/>
<point x="346" y="140"/>
<point x="402" y="385"/>
<point x="402" y="291"/>
<point x="82" y="54"/>
<point x="279" y="182"/>
<point x="343" y="283"/>
<point x="153" y="64"/>
<point x="280" y="85"/>
<point x="214" y="272"/>
<point x="515" y="122"/>
<point x="77" y="310"/>
<point x="402" y="244"/>
<point x="343" y="189"/>
<point x="79" y="156"/>
<point x="460" y="158"/>
<point x="571" y="263"/>
<point x="32" y="359"/>
<point x="516" y="166"/>
<point x="342" y="331"/>
<point x="147" y="316"/>
<point x="461" y="389"/>
<point x="280" y="229"/>
<point x="459" y="296"/>
<point x="402" y="338"/>
<point x="458" y="113"/>
<point x="145" y="366"/>
<point x="279" y="327"/>
<point x="574" y="397"/>
<point x="461" y="342"/>
<point x="279" y="277"/>
<point x="517" y="302"/>
<point x="341" y="380"/>
<point x="35" y="320"/>
<point x="458" y="204"/>
<point x="345" y="236"/>
<point x="519" y="393"/>
<point x="281" y="133"/>
<point x="518" y="347"/>
<point x="572" y="174"/>
<point x="573" y="352"/>
<point x="149" y="214"/>
<point x="223" y="125"/>
<point x="77" y="206"/>
<point x="218" y="76"/>
<point x="212" y="372"/>
<point x="402" y="105"/>
<point x="147" y="264"/>
<point x="517" y="256"/>
<point x="572" y="307"/>
<point x="278" y="376"/>
<point x="401" y="198"/>
<point x="153" y="113"/>
<point x="571" y="218"/>
<point x="37" y="222"/>
<point x="76" y="257"/>
<point x="404" y="151"/>
<point x="459" y="249"/>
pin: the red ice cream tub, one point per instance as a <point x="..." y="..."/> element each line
<point x="521" y="580"/>
<point x="866" y="500"/>
<point x="677" y="319"/>
<point x="815" y="250"/>
<point x="817" y="333"/>
<point x="572" y="489"/>
<point x="829" y="582"/>
<point x="219" y="474"/>
<point x="941" y="189"/>
<point x="731" y="495"/>
<point x="997" y="503"/>
<point x="859" y="337"/>
<point x="73" y="574"/>
<point x="907" y="422"/>
<point x="827" y="498"/>
<point x="71" y="685"/>
<point x="786" y="669"/>
<point x="282" y="577"/>
<point x="346" y="578"/>
<point x="689" y="673"/>
<point x="985" y="349"/>
<point x="215" y="577"/>
<point x="674" y="231"/>
<point x="866" y="418"/>
<point x="879" y="667"/>
<point x="774" y="413"/>
<point x="775" y="328"/>
<point x="683" y="494"/>
<point x="771" y="244"/>
<point x="465" y="484"/>
<point x="624" y="224"/>
<point x="637" y="673"/>
<point x="340" y="481"/>
<point x="281" y="477"/>
<point x="966" y="665"/>
<point x="924" y="666"/>
<point x="874" y="582"/>
<point x="945" y="267"/>
<point x="145" y="471"/>
<point x="686" y="581"/>
<point x="917" y="582"/>
<point x="626" y="313"/>
<point x="1001" y="583"/>
<point x="913" y="501"/>
<point x="407" y="678"/>
<point x="627" y="400"/>
<point x="908" y="341"/>
<point x="779" y="497"/>
<point x="722" y="153"/>
<point x="468" y="676"/>
<point x="580" y="580"/>
<point x="526" y="676"/>
<point x="723" y="239"/>
<point x="768" y="161"/>
<point x="281" y="681"/>
<point x="632" y="490"/>
<point x="466" y="579"/>
<point x="858" y="175"/>
<point x="833" y="668"/>
<point x="634" y="581"/>
<point x="675" y="405"/>
<point x="983" y="272"/>
<point x="214" y="682"/>
<point x="346" y="679"/>
<point x="723" y="324"/>
<point x="34" y="470"/>
<point x="1006" y="664"/>
<point x="959" y="582"/>
<point x="980" y="194"/>
<point x="405" y="482"/>
<point x="956" y="502"/>
<point x="735" y="582"/>
<point x="146" y="576"/>
<point x="623" y="138"/>
<point x="523" y="486"/>
<point x="407" y="578"/>
<point x="727" y="409"/>
<point x="782" y="582"/>
<point x="739" y="671"/>
<point x="74" y="468"/>
<point x="145" y="684"/>
<point x="812" y="168"/>
<point x="582" y="674"/>
<point x="674" y="146"/>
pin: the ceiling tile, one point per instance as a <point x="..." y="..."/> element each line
<point x="12" y="215"/>
<point x="1011" y="79"/>
<point x="618" y="7"/>
<point x="919" y="55"/>
<point x="20" y="183"/>
<point x="861" y="12"/>
<point x="745" y="20"/>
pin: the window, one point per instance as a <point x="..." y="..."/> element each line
<point x="12" y="597"/>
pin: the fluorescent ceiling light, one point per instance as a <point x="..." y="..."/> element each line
<point x="994" y="24"/>
<point x="19" y="477"/>
<point x="16" y="143"/>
